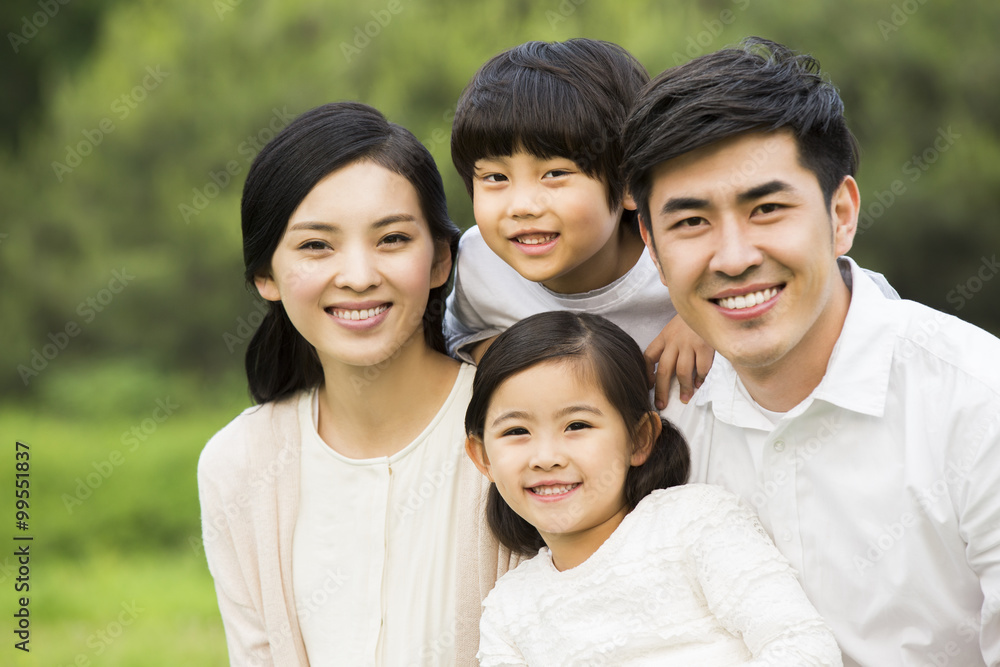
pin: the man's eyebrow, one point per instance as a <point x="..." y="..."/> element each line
<point x="763" y="190"/>
<point x="683" y="204"/>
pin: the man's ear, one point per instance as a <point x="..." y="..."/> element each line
<point x="442" y="264"/>
<point x="476" y="450"/>
<point x="845" y="206"/>
<point x="266" y="287"/>
<point x="647" y="238"/>
<point x="646" y="436"/>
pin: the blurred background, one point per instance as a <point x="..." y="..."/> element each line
<point x="126" y="131"/>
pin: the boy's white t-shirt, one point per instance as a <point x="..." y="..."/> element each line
<point x="375" y="546"/>
<point x="489" y="296"/>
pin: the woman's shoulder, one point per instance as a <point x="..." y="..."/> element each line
<point x="257" y="434"/>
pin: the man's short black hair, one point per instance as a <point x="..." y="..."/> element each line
<point x="759" y="86"/>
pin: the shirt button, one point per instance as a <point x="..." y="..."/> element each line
<point x="779" y="445"/>
<point x="786" y="536"/>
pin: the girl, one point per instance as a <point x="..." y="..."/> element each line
<point x="331" y="510"/>
<point x="633" y="566"/>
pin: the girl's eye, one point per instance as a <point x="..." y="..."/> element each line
<point x="517" y="430"/>
<point x="577" y="426"/>
<point x="494" y="178"/>
<point x="394" y="239"/>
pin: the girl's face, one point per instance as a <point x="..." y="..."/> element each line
<point x="355" y="266"/>
<point x="558" y="452"/>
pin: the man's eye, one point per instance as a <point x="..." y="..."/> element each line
<point x="764" y="209"/>
<point x="689" y="222"/>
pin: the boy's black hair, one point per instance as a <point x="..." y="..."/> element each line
<point x="560" y="99"/>
<point x="759" y="86"/>
<point x="616" y="363"/>
<point x="279" y="361"/>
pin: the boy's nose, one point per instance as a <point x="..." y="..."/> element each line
<point x="527" y="202"/>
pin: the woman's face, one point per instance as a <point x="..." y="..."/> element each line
<point x="355" y="266"/>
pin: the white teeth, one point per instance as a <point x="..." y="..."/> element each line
<point x="343" y="314"/>
<point x="554" y="489"/>
<point x="535" y="241"/>
<point x="748" y="300"/>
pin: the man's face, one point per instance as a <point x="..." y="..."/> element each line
<point x="747" y="246"/>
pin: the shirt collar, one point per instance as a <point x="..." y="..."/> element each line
<point x="857" y="375"/>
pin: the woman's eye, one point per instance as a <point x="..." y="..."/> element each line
<point x="394" y="239"/>
<point x="314" y="245"/>
<point x="577" y="426"/>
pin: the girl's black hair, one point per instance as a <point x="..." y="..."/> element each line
<point x="619" y="367"/>
<point x="279" y="360"/>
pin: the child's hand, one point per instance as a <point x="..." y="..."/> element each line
<point x="677" y="349"/>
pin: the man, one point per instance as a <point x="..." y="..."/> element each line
<point x="865" y="431"/>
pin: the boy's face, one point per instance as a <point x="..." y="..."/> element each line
<point x="748" y="248"/>
<point x="548" y="220"/>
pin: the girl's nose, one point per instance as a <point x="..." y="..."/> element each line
<point x="547" y="454"/>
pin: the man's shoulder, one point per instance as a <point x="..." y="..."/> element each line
<point x="929" y="337"/>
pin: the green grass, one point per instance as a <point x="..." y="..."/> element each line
<point x="112" y="521"/>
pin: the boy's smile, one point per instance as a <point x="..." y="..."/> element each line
<point x="551" y="222"/>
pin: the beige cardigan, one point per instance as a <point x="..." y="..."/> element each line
<point x="248" y="482"/>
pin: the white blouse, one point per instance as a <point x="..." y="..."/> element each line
<point x="688" y="578"/>
<point x="374" y="551"/>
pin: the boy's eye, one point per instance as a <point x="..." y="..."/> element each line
<point x="494" y="178"/>
<point x="577" y="426"/>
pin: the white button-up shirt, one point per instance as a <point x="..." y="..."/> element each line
<point x="882" y="487"/>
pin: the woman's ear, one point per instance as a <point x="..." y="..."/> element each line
<point x="645" y="437"/>
<point x="476" y="450"/>
<point x="442" y="264"/>
<point x="266" y="287"/>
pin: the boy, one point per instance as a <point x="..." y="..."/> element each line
<point x="536" y="141"/>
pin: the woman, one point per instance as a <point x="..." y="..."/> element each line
<point x="340" y="512"/>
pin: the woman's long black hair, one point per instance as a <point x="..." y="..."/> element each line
<point x="279" y="360"/>
<point x="619" y="368"/>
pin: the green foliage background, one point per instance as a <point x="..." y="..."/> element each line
<point x="909" y="72"/>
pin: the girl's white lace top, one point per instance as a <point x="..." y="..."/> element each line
<point x="689" y="578"/>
